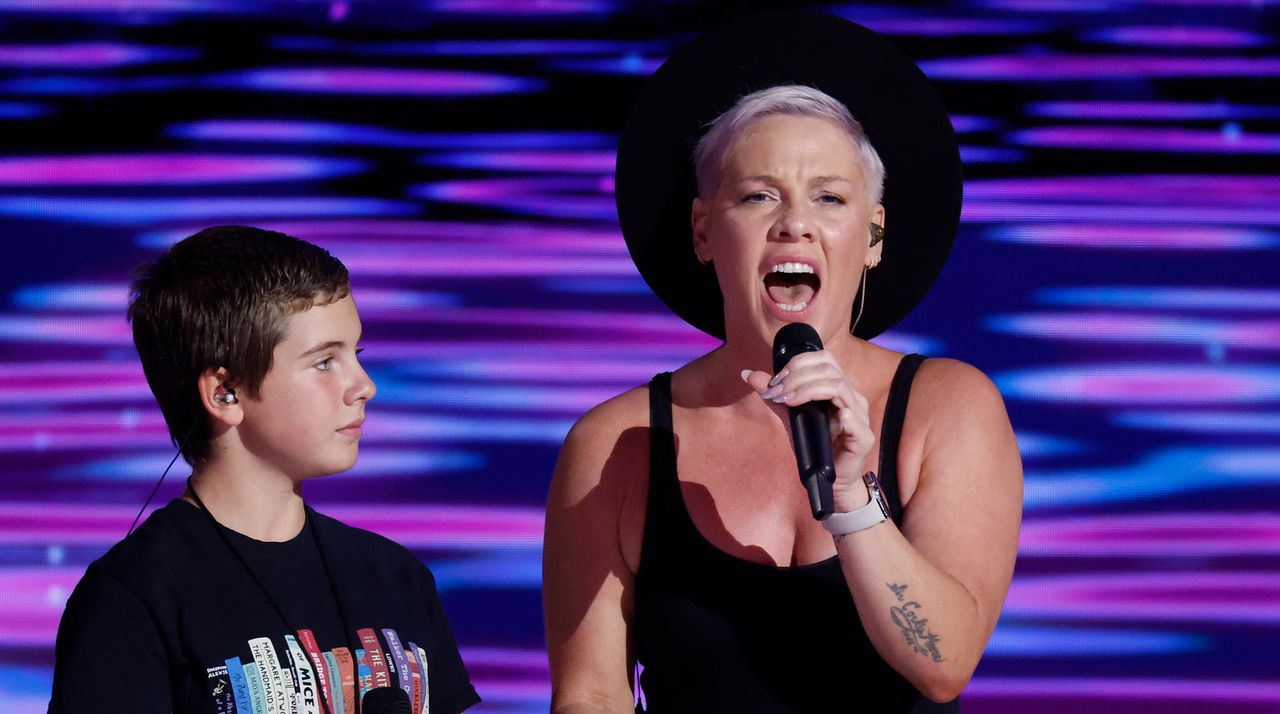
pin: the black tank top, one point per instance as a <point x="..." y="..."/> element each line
<point x="716" y="633"/>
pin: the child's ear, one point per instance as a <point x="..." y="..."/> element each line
<point x="218" y="395"/>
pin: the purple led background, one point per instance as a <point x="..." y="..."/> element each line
<point x="1116" y="274"/>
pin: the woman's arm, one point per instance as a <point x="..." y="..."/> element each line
<point x="928" y="595"/>
<point x="587" y="581"/>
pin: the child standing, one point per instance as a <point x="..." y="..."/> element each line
<point x="238" y="596"/>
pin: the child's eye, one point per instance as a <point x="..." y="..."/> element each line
<point x="324" y="364"/>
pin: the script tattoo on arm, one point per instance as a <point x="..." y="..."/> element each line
<point x="915" y="629"/>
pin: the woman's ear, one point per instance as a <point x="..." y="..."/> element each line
<point x="876" y="236"/>
<point x="698" y="224"/>
<point x="218" y="395"/>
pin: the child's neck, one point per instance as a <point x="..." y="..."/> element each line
<point x="265" y="507"/>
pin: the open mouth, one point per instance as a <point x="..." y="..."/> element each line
<point x="792" y="286"/>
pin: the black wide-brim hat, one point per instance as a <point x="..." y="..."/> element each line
<point x="898" y="108"/>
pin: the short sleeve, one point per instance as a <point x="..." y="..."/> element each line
<point x="451" y="688"/>
<point x="109" y="656"/>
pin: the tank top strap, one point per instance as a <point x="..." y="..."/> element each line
<point x="662" y="452"/>
<point x="895" y="414"/>
<point x="665" y="501"/>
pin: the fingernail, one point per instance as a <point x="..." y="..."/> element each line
<point x="783" y="398"/>
<point x="779" y="377"/>
<point x="770" y="393"/>
<point x="745" y="373"/>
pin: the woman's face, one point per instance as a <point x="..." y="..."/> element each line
<point x="787" y="228"/>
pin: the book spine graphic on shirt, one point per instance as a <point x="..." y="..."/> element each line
<point x="377" y="660"/>
<point x="308" y="641"/>
<point x="421" y="654"/>
<point x="335" y="683"/>
<point x="347" y="677"/>
<point x="290" y="681"/>
<point x="396" y="650"/>
<point x="257" y="692"/>
<point x="279" y="699"/>
<point x="308" y="687"/>
<point x="224" y="702"/>
<point x="415" y="673"/>
<point x="364" y="674"/>
<point x="239" y="686"/>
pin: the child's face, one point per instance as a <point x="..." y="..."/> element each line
<point x="306" y="419"/>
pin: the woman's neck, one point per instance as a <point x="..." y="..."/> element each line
<point x="719" y="372"/>
<point x="265" y="507"/>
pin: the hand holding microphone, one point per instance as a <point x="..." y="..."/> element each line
<point x="830" y="426"/>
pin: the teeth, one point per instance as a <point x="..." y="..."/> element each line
<point x="793" y="268"/>
<point x="793" y="308"/>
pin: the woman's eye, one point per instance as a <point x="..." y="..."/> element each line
<point x="757" y="197"/>
<point x="831" y="199"/>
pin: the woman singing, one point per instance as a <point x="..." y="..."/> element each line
<point x="678" y="533"/>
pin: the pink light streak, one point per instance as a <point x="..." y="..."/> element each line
<point x="1121" y="327"/>
<point x="1118" y="236"/>
<point x="164" y="169"/>
<point x="1141" y="384"/>
<point x="456" y="527"/>
<point x="377" y="81"/>
<point x="510" y="264"/>
<point x="1214" y="694"/>
<point x="1093" y="67"/>
<point x="72" y="431"/>
<point x="595" y="322"/>
<point x="1128" y="596"/>
<point x="1155" y="139"/>
<point x="33" y="601"/>
<point x="50" y="382"/>
<point x="1153" y="535"/>
<point x="86" y="55"/>
<point x="1168" y="36"/>
<point x="380" y="234"/>
<point x="1140" y="190"/>
<point x="1102" y="109"/>
<point x="580" y="161"/>
<point x="614" y="350"/>
<point x="80" y="330"/>
<point x="520" y="7"/>
<point x="996" y="211"/>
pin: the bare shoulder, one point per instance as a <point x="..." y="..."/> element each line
<point x="631" y="408"/>
<point x="942" y="376"/>
<point x="601" y="444"/>
<point x="948" y="390"/>
<point x="956" y="415"/>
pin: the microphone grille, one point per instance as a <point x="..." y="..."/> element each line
<point x="793" y="339"/>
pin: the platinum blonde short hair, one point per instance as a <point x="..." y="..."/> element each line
<point x="791" y="100"/>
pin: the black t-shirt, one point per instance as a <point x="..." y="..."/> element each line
<point x="171" y="620"/>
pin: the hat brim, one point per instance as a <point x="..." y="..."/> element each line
<point x="898" y="108"/>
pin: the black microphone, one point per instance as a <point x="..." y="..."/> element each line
<point x="810" y="434"/>
<point x="386" y="700"/>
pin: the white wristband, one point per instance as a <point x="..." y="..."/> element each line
<point x="876" y="511"/>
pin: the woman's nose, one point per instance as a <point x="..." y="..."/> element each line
<point x="793" y="224"/>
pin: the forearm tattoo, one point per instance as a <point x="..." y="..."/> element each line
<point x="915" y="629"/>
